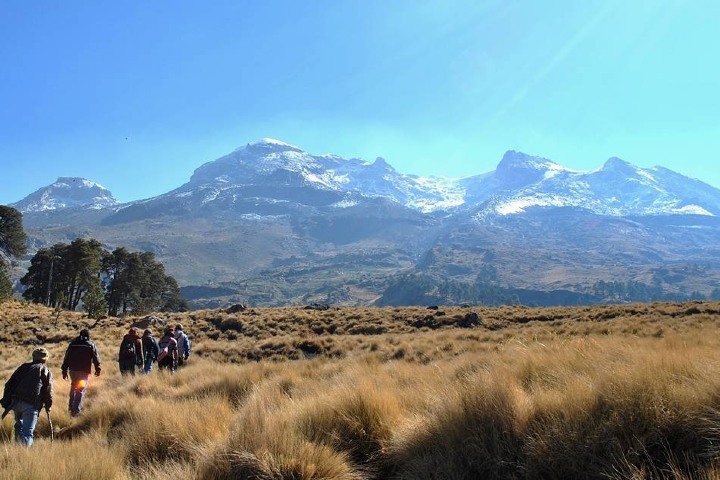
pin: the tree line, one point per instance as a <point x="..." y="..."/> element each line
<point x="85" y="275"/>
<point x="421" y="289"/>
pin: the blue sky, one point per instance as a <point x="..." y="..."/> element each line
<point x="136" y="95"/>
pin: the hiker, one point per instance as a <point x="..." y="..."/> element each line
<point x="29" y="388"/>
<point x="183" y="342"/>
<point x="150" y="350"/>
<point x="131" y="352"/>
<point x="167" y="357"/>
<point x="80" y="356"/>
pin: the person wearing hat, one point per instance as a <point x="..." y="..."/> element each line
<point x="80" y="356"/>
<point x="29" y="389"/>
<point x="150" y="349"/>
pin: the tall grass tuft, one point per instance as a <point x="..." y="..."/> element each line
<point x="262" y="445"/>
<point x="158" y="432"/>
<point x="356" y="419"/>
<point x="475" y="430"/>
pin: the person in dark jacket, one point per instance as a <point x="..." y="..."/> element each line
<point x="29" y="389"/>
<point x="80" y="356"/>
<point x="150" y="350"/>
<point x="131" y="353"/>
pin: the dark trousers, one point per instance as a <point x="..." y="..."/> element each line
<point x="167" y="363"/>
<point x="126" y="367"/>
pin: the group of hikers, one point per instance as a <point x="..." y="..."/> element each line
<point x="30" y="388"/>
<point x="170" y="352"/>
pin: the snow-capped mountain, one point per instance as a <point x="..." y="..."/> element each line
<point x="297" y="225"/>
<point x="616" y="189"/>
<point x="67" y="192"/>
<point x="272" y="163"/>
<point x="272" y="172"/>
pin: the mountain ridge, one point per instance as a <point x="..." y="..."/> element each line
<point x="519" y="181"/>
<point x="278" y="226"/>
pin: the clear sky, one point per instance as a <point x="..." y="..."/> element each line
<point x="137" y="94"/>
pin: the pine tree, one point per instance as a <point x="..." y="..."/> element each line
<point x="172" y="300"/>
<point x="114" y="266"/>
<point x="83" y="269"/>
<point x="13" y="240"/>
<point x="94" y="301"/>
<point x="138" y="284"/>
<point x="45" y="279"/>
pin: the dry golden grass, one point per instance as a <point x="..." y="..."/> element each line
<point x="87" y="457"/>
<point x="629" y="391"/>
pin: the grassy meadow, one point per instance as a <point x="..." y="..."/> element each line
<point x="606" y="392"/>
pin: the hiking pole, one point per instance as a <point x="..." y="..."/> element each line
<point x="52" y="434"/>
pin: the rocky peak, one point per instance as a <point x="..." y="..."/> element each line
<point x="517" y="169"/>
<point x="618" y="165"/>
<point x="381" y="165"/>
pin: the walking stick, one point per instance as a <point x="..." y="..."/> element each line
<point x="52" y="434"/>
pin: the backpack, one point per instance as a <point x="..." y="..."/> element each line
<point x="164" y="350"/>
<point x="150" y="346"/>
<point x="163" y="353"/>
<point x="127" y="351"/>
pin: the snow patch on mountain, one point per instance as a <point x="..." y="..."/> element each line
<point x="347" y="202"/>
<point x="692" y="210"/>
<point x="210" y="196"/>
<point x="273" y="141"/>
<point x="442" y="194"/>
<point x="255" y="218"/>
<point x="269" y="143"/>
<point x="519" y="205"/>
